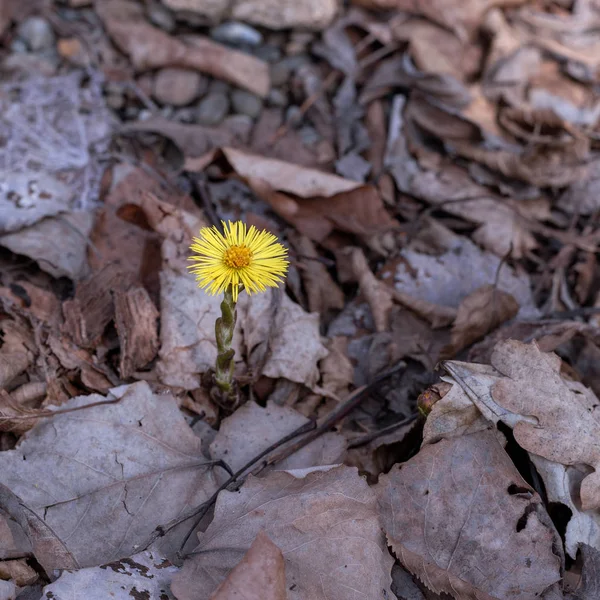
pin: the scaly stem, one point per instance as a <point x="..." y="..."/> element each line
<point x="224" y="333"/>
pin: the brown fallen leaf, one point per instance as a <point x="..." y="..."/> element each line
<point x="322" y="291"/>
<point x="553" y="418"/>
<point x="479" y="313"/>
<point x="129" y="467"/>
<point x="260" y="575"/>
<point x="378" y="295"/>
<point x="337" y="372"/>
<point x="13" y="416"/>
<point x="150" y="48"/>
<point x="324" y="556"/>
<point x="136" y="322"/>
<point x="460" y="517"/>
<point x="283" y="176"/>
<point x="286" y="14"/>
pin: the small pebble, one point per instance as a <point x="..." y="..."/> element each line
<point x="237" y="34"/>
<point x="212" y="109"/>
<point x="293" y="116"/>
<point x="161" y="16"/>
<point x="177" y="87"/>
<point x="37" y="33"/>
<point x="277" y="98"/>
<point x="309" y="135"/>
<point x="268" y="53"/>
<point x="283" y="69"/>
<point x="246" y="103"/>
<point x="18" y="46"/>
<point x="218" y="85"/>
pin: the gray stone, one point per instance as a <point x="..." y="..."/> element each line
<point x="246" y="103"/>
<point x="277" y="98"/>
<point x="161" y="16"/>
<point x="37" y="33"/>
<point x="18" y="46"/>
<point x="282" y="70"/>
<point x="268" y="53"/>
<point x="177" y="87"/>
<point x="237" y="34"/>
<point x="293" y="116"/>
<point x="218" y="86"/>
<point x="309" y="135"/>
<point x="212" y="109"/>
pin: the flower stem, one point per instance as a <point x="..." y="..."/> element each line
<point x="224" y="328"/>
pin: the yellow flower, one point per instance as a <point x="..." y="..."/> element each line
<point x="250" y="258"/>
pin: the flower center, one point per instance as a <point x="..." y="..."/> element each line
<point x="237" y="257"/>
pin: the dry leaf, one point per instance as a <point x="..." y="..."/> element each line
<point x="151" y="48"/>
<point x="126" y="468"/>
<point x="143" y="576"/>
<point x="283" y="176"/>
<point x="322" y="291"/>
<point x="58" y="244"/>
<point x="478" y="314"/>
<point x="13" y="416"/>
<point x="289" y="339"/>
<point x="337" y="371"/>
<point x="552" y="418"/>
<point x="252" y="429"/>
<point x="460" y="517"/>
<point x="26" y="198"/>
<point x="260" y="575"/>
<point x="452" y="276"/>
<point x="325" y="557"/>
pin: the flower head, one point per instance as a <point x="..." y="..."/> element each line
<point x="237" y="257"/>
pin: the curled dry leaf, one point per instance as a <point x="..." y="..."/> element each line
<point x="325" y="557"/>
<point x="554" y="419"/>
<point x="16" y="351"/>
<point x="479" y="313"/>
<point x="251" y="429"/>
<point x="58" y="244"/>
<point x="378" y="295"/>
<point x="322" y="291"/>
<point x="260" y="575"/>
<point x="127" y="467"/>
<point x="142" y="576"/>
<point x="13" y="416"/>
<point x="284" y="342"/>
<point x="460" y="517"/>
<point x="151" y="48"/>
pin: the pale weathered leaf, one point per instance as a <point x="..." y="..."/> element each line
<point x="58" y="243"/>
<point x="260" y="575"/>
<point x="554" y="419"/>
<point x="143" y="576"/>
<point x="460" y="517"/>
<point x="251" y="429"/>
<point x="91" y="486"/>
<point x="324" y="522"/>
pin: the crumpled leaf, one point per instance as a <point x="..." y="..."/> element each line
<point x="479" y="313"/>
<point x="25" y="198"/>
<point x="58" y="244"/>
<point x="16" y="352"/>
<point x="126" y="468"/>
<point x="251" y="429"/>
<point x="289" y="338"/>
<point x="260" y="575"/>
<point x="149" y="47"/>
<point x="284" y="176"/>
<point x="460" y="517"/>
<point x="443" y="279"/>
<point x="554" y="419"/>
<point x="325" y="557"/>
<point x="142" y="576"/>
